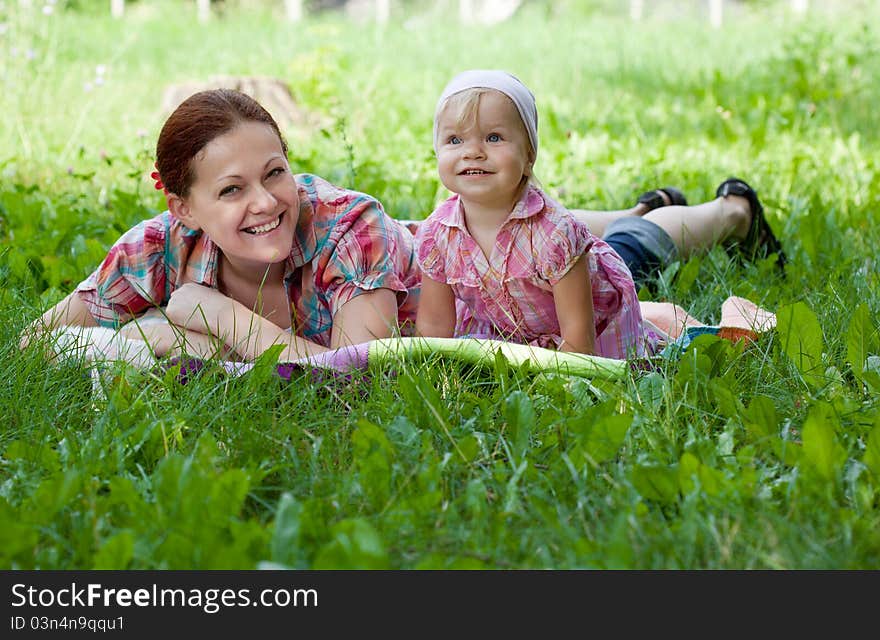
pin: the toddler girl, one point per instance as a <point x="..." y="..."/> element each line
<point x="501" y="259"/>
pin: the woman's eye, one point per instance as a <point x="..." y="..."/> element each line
<point x="225" y="191"/>
<point x="277" y="171"/>
<point x="493" y="137"/>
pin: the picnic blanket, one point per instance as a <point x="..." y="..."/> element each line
<point x="741" y="319"/>
<point x="97" y="344"/>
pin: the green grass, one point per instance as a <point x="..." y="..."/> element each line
<point x="766" y="457"/>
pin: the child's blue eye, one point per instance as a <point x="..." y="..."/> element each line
<point x="493" y="137"/>
<point x="454" y="140"/>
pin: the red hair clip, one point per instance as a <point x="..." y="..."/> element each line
<point x="155" y="176"/>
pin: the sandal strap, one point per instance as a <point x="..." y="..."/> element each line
<point x="736" y="187"/>
<point x="760" y="236"/>
<point x="654" y="199"/>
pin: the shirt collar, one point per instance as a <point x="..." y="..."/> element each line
<point x="530" y="204"/>
<point x="305" y="241"/>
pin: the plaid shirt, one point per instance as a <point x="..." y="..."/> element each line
<point x="510" y="294"/>
<point x="344" y="245"/>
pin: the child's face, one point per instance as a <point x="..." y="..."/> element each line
<point x="485" y="161"/>
<point x="244" y="196"/>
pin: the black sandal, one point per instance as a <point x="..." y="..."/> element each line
<point x="654" y="199"/>
<point x="760" y="241"/>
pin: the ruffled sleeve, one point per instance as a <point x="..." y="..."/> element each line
<point x="368" y="250"/>
<point x="132" y="278"/>
<point x="431" y="243"/>
<point x="569" y="240"/>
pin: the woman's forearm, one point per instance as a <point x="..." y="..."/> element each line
<point x="249" y="334"/>
<point x="165" y="338"/>
<point x="71" y="311"/>
<point x="206" y="310"/>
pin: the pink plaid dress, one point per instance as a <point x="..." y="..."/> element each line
<point x="509" y="295"/>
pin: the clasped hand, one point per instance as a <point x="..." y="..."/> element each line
<point x="200" y="308"/>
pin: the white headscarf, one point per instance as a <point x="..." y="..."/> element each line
<point x="501" y="81"/>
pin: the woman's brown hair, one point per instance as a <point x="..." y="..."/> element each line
<point x="196" y="122"/>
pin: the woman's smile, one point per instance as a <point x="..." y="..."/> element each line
<point x="266" y="227"/>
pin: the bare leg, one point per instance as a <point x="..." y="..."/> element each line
<point x="668" y="317"/>
<point x="598" y="221"/>
<point x="742" y="313"/>
<point x="693" y="228"/>
<point x="700" y="227"/>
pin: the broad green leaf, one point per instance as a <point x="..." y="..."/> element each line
<point x="761" y="418"/>
<point x="789" y="452"/>
<point x="871" y="373"/>
<point x="265" y="364"/>
<point x="168" y="483"/>
<point x="606" y="437"/>
<point x="423" y="399"/>
<point x="42" y="454"/>
<point x="285" y="547"/>
<point x="403" y="433"/>
<point x="55" y="493"/>
<point x="16" y="536"/>
<point x="656" y="483"/>
<point x="811" y="235"/>
<point x="116" y="552"/>
<point x="228" y="492"/>
<point x="821" y="448"/>
<point x="871" y="459"/>
<point x="373" y="454"/>
<point x="651" y="390"/>
<point x="711" y="480"/>
<point x="688" y="275"/>
<point x="469" y="447"/>
<point x="688" y="467"/>
<point x="801" y="338"/>
<point x="520" y="416"/>
<point x="475" y="499"/>
<point x="861" y="338"/>
<point x="694" y="370"/>
<point x="355" y="545"/>
<point x="511" y="492"/>
<point x="124" y="494"/>
<point x="717" y="350"/>
<point x="728" y="404"/>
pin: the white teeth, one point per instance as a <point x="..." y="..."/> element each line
<point x="265" y="228"/>
<point x="474" y="172"/>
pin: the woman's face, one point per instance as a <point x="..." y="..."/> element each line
<point x="243" y="197"/>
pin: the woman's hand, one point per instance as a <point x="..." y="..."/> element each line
<point x="203" y="309"/>
<point x="165" y="338"/>
<point x="206" y="310"/>
<point x="70" y="312"/>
